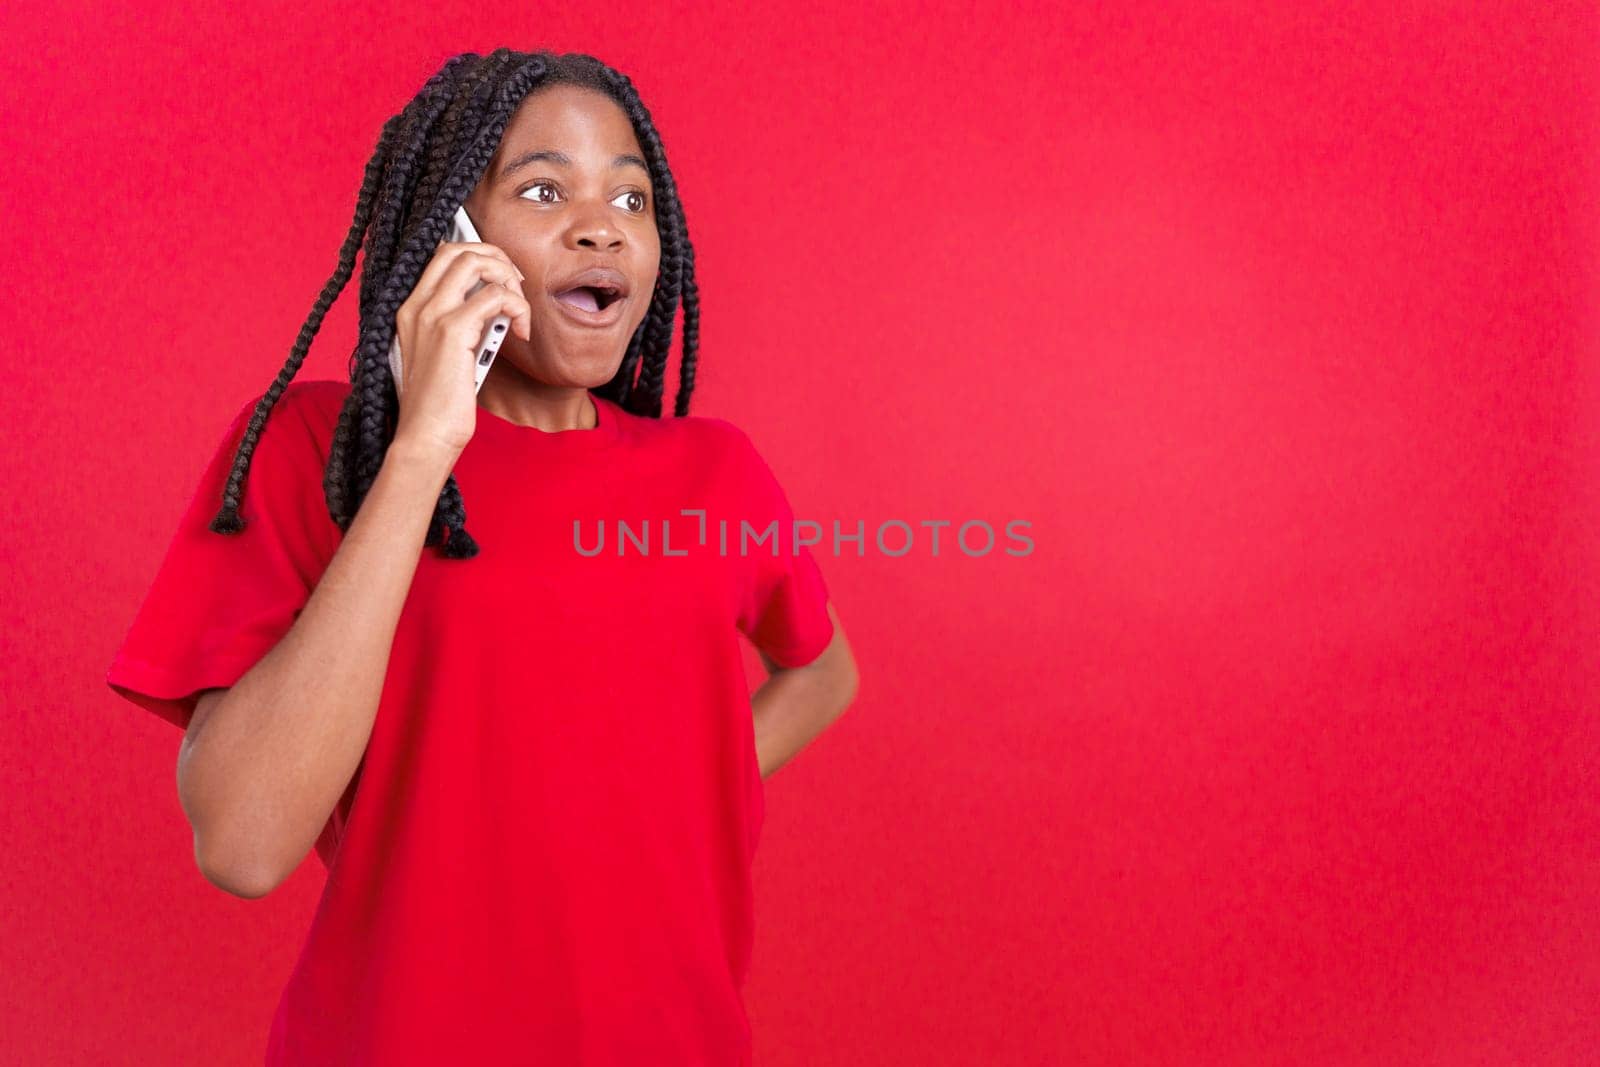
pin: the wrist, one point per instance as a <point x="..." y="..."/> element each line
<point x="425" y="457"/>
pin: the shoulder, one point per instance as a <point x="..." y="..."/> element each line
<point x="315" y="402"/>
<point x="727" y="448"/>
<point x="703" y="439"/>
<point x="318" y="400"/>
<point x="292" y="448"/>
<point x="302" y="420"/>
<point x="720" y="445"/>
<point x="717" y="434"/>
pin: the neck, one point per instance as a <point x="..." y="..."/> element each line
<point x="550" y="408"/>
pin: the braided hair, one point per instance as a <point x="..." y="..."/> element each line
<point x="429" y="158"/>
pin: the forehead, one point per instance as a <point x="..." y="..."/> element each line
<point x="571" y="119"/>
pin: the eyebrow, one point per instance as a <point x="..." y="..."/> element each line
<point x="561" y="159"/>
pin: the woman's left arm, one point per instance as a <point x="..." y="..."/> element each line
<point x="795" y="704"/>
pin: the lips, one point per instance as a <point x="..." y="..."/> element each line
<point x="582" y="315"/>
<point x="593" y="289"/>
<point x="593" y="296"/>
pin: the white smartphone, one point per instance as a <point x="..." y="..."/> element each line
<point x="461" y="229"/>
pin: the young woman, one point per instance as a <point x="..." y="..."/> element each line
<point x="529" y="758"/>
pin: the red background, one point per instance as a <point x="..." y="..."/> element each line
<point x="1277" y="323"/>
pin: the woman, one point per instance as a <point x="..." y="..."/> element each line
<point x="529" y="758"/>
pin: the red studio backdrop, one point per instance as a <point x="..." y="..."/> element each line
<point x="1277" y="325"/>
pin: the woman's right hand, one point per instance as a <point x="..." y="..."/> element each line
<point x="439" y="327"/>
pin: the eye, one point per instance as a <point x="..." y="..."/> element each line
<point x="636" y="205"/>
<point x="642" y="201"/>
<point x="539" y="185"/>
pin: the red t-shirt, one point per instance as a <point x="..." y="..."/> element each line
<point x="545" y="855"/>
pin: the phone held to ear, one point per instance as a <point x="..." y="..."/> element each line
<point x="461" y="229"/>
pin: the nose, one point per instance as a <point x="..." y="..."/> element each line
<point x="592" y="230"/>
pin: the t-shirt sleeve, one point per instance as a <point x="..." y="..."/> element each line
<point x="219" y="602"/>
<point x="785" y="611"/>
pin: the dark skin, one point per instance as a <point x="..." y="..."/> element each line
<point x="553" y="216"/>
<point x="590" y="201"/>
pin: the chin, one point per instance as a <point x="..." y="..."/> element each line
<point x="569" y="371"/>
<point x="590" y="374"/>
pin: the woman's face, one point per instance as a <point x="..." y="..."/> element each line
<point x="568" y="190"/>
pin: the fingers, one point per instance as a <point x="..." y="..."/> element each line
<point x="455" y="268"/>
<point x="471" y="318"/>
<point x="466" y="269"/>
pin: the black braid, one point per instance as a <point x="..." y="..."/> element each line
<point x="429" y="158"/>
<point x="691" y="329"/>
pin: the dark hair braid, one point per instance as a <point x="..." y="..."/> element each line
<point x="691" y="330"/>
<point x="429" y="158"/>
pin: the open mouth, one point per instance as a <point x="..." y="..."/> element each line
<point x="590" y="297"/>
